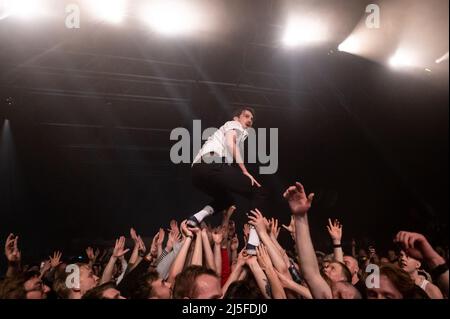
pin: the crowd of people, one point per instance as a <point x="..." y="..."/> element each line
<point x="208" y="262"/>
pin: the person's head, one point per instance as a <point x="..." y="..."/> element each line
<point x="85" y="281"/>
<point x="394" y="284"/>
<point x="352" y="265"/>
<point x="245" y="116"/>
<point x="27" y="285"/>
<point x="344" y="290"/>
<point x="362" y="253"/>
<point x="336" y="271"/>
<point x="392" y="255"/>
<point x="158" y="288"/>
<point x="243" y="289"/>
<point x="408" y="263"/>
<point x="197" y="282"/>
<point x="104" y="291"/>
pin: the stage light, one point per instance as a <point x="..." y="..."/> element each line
<point x="402" y="59"/>
<point x="350" y="45"/>
<point x="24" y="9"/>
<point x="442" y="58"/>
<point x="302" y="31"/>
<point x="108" y="10"/>
<point x="171" y="17"/>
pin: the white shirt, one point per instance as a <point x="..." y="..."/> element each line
<point x="216" y="143"/>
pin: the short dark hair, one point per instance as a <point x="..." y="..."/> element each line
<point x="97" y="292"/>
<point x="184" y="285"/>
<point x="240" y="110"/>
<point x="243" y="289"/>
<point x="403" y="282"/>
<point x="142" y="288"/>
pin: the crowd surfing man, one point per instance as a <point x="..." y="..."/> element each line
<point x="219" y="171"/>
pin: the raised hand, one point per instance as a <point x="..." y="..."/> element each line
<point x="291" y="227"/>
<point x="297" y="199"/>
<point x="415" y="245"/>
<point x="142" y="249"/>
<point x="246" y="230"/>
<point x="335" y="231"/>
<point x="174" y="228"/>
<point x="119" y="247"/>
<point x="242" y="257"/>
<point x="12" y="251"/>
<point x="234" y="243"/>
<point x="45" y="267"/>
<point x="217" y="235"/>
<point x="229" y="211"/>
<point x="263" y="257"/>
<point x="274" y="229"/>
<point x="55" y="260"/>
<point x="90" y="254"/>
<point x="154" y="246"/>
<point x="171" y="239"/>
<point x="161" y="236"/>
<point x="133" y="235"/>
<point x="257" y="219"/>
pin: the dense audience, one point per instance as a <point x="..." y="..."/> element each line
<point x="207" y="263"/>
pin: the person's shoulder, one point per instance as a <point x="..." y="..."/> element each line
<point x="233" y="125"/>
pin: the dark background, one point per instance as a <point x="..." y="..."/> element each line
<point x="85" y="153"/>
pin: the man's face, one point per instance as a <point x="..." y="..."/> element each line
<point x="161" y="289"/>
<point x="87" y="279"/>
<point x="334" y="272"/>
<point x="246" y="119"/>
<point x="352" y="264"/>
<point x="386" y="291"/>
<point x="207" y="287"/>
<point x="112" y="293"/>
<point x="36" y="289"/>
<point x="408" y="263"/>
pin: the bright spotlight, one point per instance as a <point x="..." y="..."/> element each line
<point x="350" y="45"/>
<point x="442" y="58"/>
<point x="303" y="31"/>
<point x="23" y="9"/>
<point x="402" y="59"/>
<point x="171" y="17"/>
<point x="108" y="10"/>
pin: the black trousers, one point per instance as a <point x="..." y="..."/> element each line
<point x="221" y="180"/>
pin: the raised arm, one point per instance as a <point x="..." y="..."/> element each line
<point x="209" y="256"/>
<point x="135" y="253"/>
<point x="261" y="224"/>
<point x="266" y="264"/>
<point x="260" y="277"/>
<point x="13" y="255"/>
<point x="291" y="285"/>
<point x="335" y="231"/>
<point x="119" y="250"/>
<point x="179" y="261"/>
<point x="236" y="272"/>
<point x="217" y="237"/>
<point x="299" y="204"/>
<point x="417" y="246"/>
